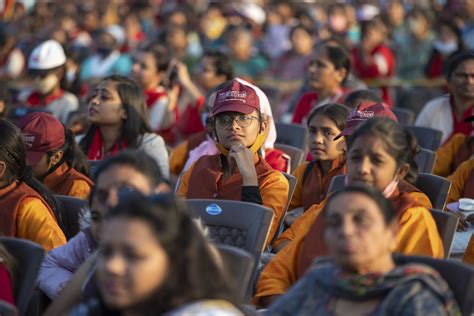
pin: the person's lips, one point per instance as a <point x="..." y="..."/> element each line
<point x="113" y="287"/>
<point x="235" y="136"/>
<point x="347" y="248"/>
<point x="93" y="111"/>
<point x="318" y="150"/>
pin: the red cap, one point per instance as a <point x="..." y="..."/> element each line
<point x="363" y="112"/>
<point x="43" y="133"/>
<point x="237" y="97"/>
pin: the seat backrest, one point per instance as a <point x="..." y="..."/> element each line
<point x="404" y="116"/>
<point x="296" y="155"/>
<point x="292" y="181"/>
<point x="428" y="138"/>
<point x="291" y="134"/>
<point x="435" y="187"/>
<point x="70" y="208"/>
<point x="447" y="224"/>
<point x="239" y="264"/>
<point x="93" y="165"/>
<point x="337" y="184"/>
<point x="28" y="257"/>
<point x="459" y="276"/>
<point x="425" y="160"/>
<point x="241" y="224"/>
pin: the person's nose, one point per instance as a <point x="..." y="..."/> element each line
<point x="364" y="166"/>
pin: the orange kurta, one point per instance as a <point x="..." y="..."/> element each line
<point x="462" y="182"/>
<point x="452" y="154"/>
<point x="25" y="215"/>
<point x="315" y="186"/>
<point x="273" y="186"/>
<point x="68" y="181"/>
<point x="418" y="235"/>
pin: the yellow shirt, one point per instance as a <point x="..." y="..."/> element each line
<point x="80" y="189"/>
<point x="35" y="223"/>
<point x="445" y="155"/>
<point x="458" y="180"/>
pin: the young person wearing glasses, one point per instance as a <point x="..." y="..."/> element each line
<point x="238" y="172"/>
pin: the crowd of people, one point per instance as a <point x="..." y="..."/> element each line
<point x="134" y="107"/>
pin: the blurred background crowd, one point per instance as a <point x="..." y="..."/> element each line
<point x="268" y="43"/>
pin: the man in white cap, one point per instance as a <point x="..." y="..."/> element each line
<point x="46" y="66"/>
<point x="108" y="60"/>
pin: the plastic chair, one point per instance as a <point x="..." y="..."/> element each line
<point x="70" y="208"/>
<point x="435" y="187"/>
<point x="297" y="155"/>
<point x="425" y="160"/>
<point x="428" y="138"/>
<point x="28" y="256"/>
<point x="459" y="276"/>
<point x="240" y="264"/>
<point x="241" y="224"/>
<point x="447" y="224"/>
<point x="93" y="165"/>
<point x="404" y="116"/>
<point x="291" y="134"/>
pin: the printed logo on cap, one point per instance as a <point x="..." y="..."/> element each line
<point x="232" y="95"/>
<point x="29" y="139"/>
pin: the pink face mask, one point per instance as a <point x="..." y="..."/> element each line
<point x="389" y="189"/>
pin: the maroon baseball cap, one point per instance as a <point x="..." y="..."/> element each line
<point x="236" y="97"/>
<point x="363" y="112"/>
<point x="42" y="133"/>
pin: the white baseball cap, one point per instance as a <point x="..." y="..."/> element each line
<point x="117" y="32"/>
<point x="47" y="55"/>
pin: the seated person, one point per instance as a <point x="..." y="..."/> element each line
<point x="361" y="277"/>
<point x="7" y="265"/>
<point x="208" y="146"/>
<point x="28" y="209"/>
<point x="118" y="116"/>
<point x="46" y="66"/>
<point x="327" y="71"/>
<point x="128" y="170"/>
<point x="238" y="172"/>
<point x="380" y="154"/>
<point x="462" y="186"/>
<point x="448" y="113"/>
<point x="314" y="177"/>
<point x="56" y="159"/>
<point x="452" y="154"/>
<point x="154" y="260"/>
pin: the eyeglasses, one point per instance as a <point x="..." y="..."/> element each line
<point x="123" y="192"/>
<point x="463" y="75"/>
<point x="226" y="121"/>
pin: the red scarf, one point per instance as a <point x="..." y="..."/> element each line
<point x="96" y="150"/>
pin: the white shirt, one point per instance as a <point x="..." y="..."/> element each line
<point x="437" y="114"/>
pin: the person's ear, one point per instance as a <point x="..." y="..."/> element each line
<point x="264" y="124"/>
<point x="341" y="73"/>
<point x="403" y="171"/>
<point x="123" y="114"/>
<point x="56" y="157"/>
<point x="342" y="145"/>
<point x="162" y="188"/>
<point x="3" y="168"/>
